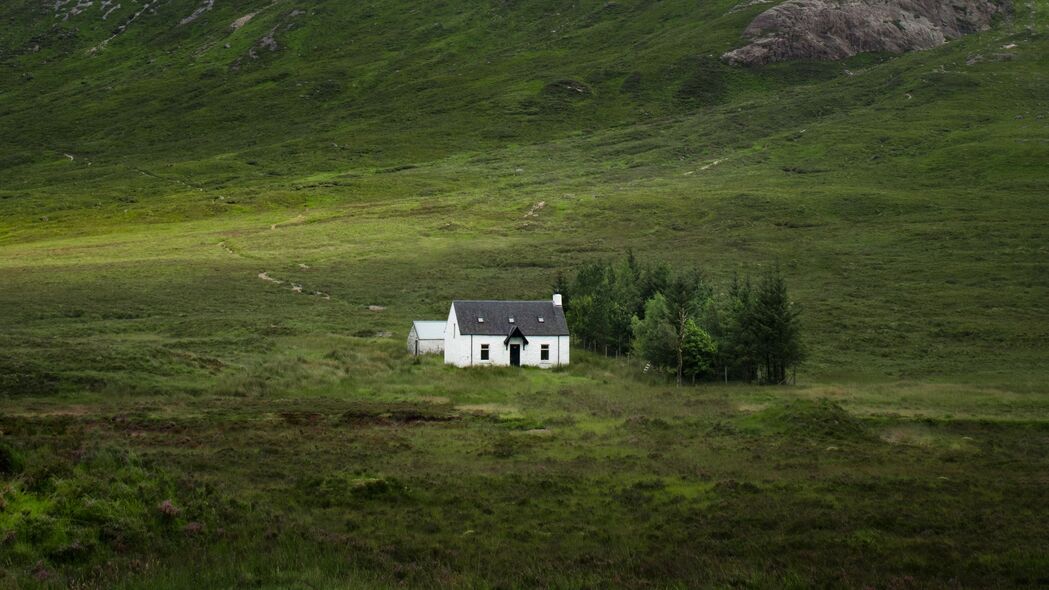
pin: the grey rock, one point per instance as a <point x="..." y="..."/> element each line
<point x="837" y="29"/>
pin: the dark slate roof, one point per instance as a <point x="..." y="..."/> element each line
<point x="497" y="316"/>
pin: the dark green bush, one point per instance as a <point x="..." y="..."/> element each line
<point x="11" y="460"/>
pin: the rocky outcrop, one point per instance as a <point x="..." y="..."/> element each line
<point x="836" y="29"/>
<point x="199" y="12"/>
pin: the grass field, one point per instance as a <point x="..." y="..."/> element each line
<point x="190" y="240"/>
<point x="414" y="473"/>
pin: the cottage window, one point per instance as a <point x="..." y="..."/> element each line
<point x="544" y="352"/>
<point x="484" y="352"/>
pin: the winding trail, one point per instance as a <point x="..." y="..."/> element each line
<point x="265" y="275"/>
<point x="293" y="287"/>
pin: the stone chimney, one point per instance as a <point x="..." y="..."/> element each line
<point x="557" y="299"/>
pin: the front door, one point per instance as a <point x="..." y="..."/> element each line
<point x="515" y="355"/>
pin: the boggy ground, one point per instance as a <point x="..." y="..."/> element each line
<point x="587" y="476"/>
<point x="207" y="272"/>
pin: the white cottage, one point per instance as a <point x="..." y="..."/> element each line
<point x="506" y="333"/>
<point x="426" y="337"/>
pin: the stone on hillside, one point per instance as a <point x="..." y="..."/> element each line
<point x="567" y="89"/>
<point x="837" y="29"/>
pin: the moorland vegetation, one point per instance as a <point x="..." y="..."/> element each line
<point x="218" y="220"/>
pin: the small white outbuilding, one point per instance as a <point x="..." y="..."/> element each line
<point x="426" y="337"/>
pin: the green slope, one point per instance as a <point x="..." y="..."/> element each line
<point x="405" y="143"/>
<point x="403" y="81"/>
<point x="194" y="391"/>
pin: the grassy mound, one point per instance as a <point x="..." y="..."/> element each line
<point x="805" y="419"/>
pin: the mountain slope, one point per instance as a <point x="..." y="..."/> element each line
<point x="384" y="141"/>
<point x="816" y="29"/>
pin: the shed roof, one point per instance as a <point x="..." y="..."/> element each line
<point x="497" y="316"/>
<point x="429" y="329"/>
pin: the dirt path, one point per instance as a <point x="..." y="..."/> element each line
<point x="145" y="172"/>
<point x="265" y="275"/>
<point x="298" y="219"/>
<point x="293" y="287"/>
<point x="228" y="250"/>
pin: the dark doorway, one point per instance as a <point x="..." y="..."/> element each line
<point x="515" y="355"/>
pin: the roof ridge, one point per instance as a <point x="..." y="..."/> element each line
<point x="539" y="317"/>
<point x="502" y="301"/>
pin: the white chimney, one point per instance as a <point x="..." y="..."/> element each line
<point x="557" y="299"/>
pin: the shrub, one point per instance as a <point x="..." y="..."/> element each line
<point x="345" y="489"/>
<point x="11" y="461"/>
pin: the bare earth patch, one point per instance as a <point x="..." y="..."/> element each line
<point x="240" y="22"/>
<point x="750" y="408"/>
<point x="493" y="409"/>
<point x="434" y="399"/>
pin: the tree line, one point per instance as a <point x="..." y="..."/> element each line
<point x="680" y="323"/>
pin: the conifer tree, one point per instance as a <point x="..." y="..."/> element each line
<point x="740" y="334"/>
<point x="778" y="332"/>
<point x="684" y="301"/>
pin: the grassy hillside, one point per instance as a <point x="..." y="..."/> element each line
<point x="390" y="82"/>
<point x="905" y="196"/>
<point x="191" y="238"/>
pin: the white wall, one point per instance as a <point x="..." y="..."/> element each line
<point x="469" y="348"/>
<point x="431" y="346"/>
<point x="425" y="346"/>
<point x="412" y="337"/>
<point x="456" y="347"/>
